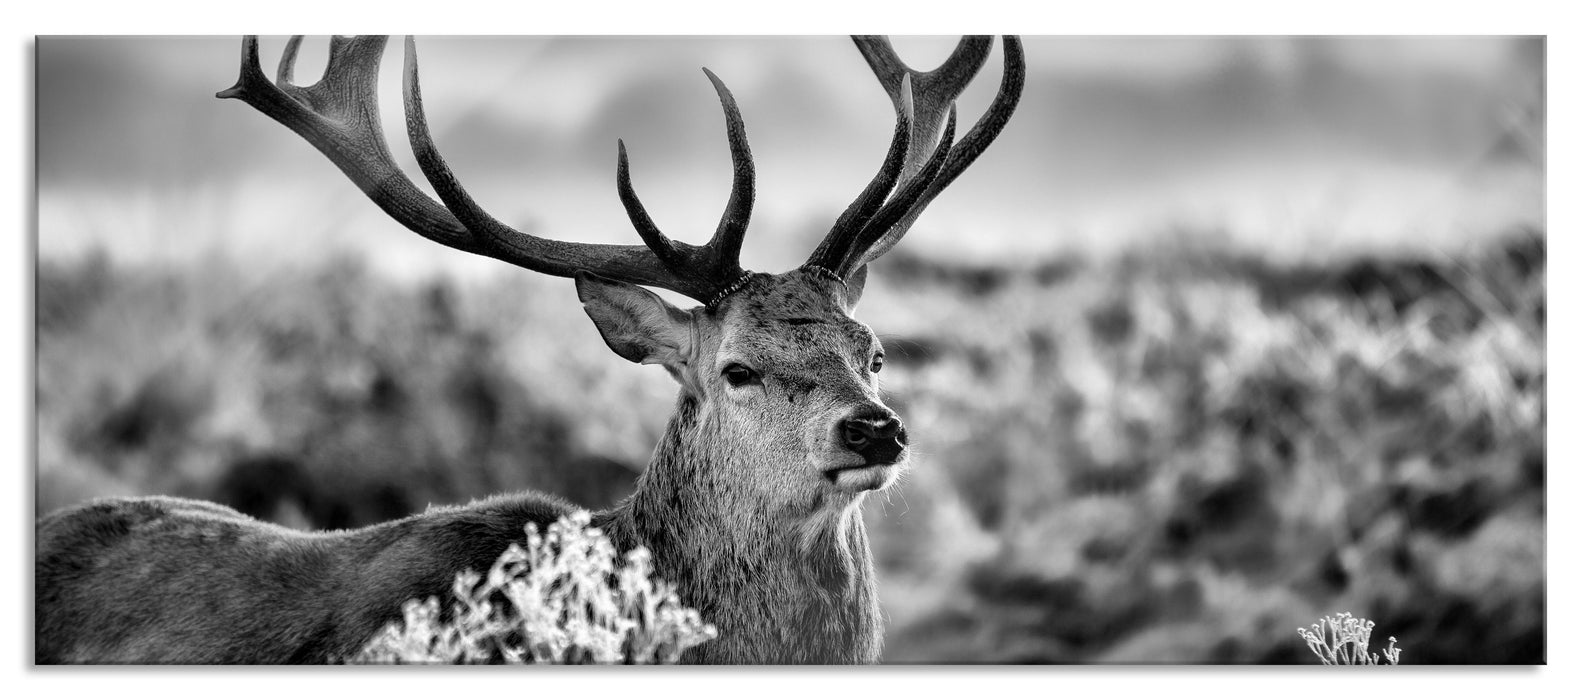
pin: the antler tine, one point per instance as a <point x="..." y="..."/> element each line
<point x="669" y="251"/>
<point x="977" y="140"/>
<point x="926" y="173"/>
<point x="839" y="240"/>
<point x="288" y="60"/>
<point x="637" y="264"/>
<point x="934" y="91"/>
<point x="726" y="243"/>
<point x="346" y="129"/>
<point x="719" y="259"/>
<point x="901" y="204"/>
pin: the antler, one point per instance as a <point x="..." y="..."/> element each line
<point x="339" y="115"/>
<point x="867" y="229"/>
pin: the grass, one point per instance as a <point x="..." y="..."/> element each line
<point x="1176" y="456"/>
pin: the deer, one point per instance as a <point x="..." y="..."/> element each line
<point x="750" y="505"/>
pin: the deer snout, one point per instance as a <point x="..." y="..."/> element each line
<point x="877" y="435"/>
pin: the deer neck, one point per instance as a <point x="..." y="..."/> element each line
<point x="781" y="584"/>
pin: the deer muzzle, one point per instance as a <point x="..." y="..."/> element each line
<point x="877" y="435"/>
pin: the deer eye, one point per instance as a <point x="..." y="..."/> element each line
<point x="738" y="375"/>
<point x="877" y="364"/>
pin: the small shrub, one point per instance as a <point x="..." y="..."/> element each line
<point x="1342" y="640"/>
<point x="562" y="599"/>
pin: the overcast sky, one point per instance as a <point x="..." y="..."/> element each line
<point x="1295" y="145"/>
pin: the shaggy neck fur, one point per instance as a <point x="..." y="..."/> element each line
<point x="782" y="585"/>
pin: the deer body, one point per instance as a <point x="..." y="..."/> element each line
<point x="200" y="583"/>
<point x="169" y="580"/>
<point x="750" y="505"/>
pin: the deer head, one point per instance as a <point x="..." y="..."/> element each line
<point x="778" y="381"/>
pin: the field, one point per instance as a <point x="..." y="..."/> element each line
<point x="1179" y="455"/>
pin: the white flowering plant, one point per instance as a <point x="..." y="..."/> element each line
<point x="1342" y="640"/>
<point x="564" y="598"/>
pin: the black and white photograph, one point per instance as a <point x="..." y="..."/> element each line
<point x="907" y="350"/>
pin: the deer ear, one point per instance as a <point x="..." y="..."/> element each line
<point x="854" y="285"/>
<point x="636" y="323"/>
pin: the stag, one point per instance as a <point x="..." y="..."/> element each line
<point x="750" y="504"/>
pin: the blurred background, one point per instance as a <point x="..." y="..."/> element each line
<point x="1223" y="333"/>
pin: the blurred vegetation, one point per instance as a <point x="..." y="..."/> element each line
<point x="1177" y="456"/>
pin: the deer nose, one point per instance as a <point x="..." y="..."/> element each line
<point x="878" y="436"/>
